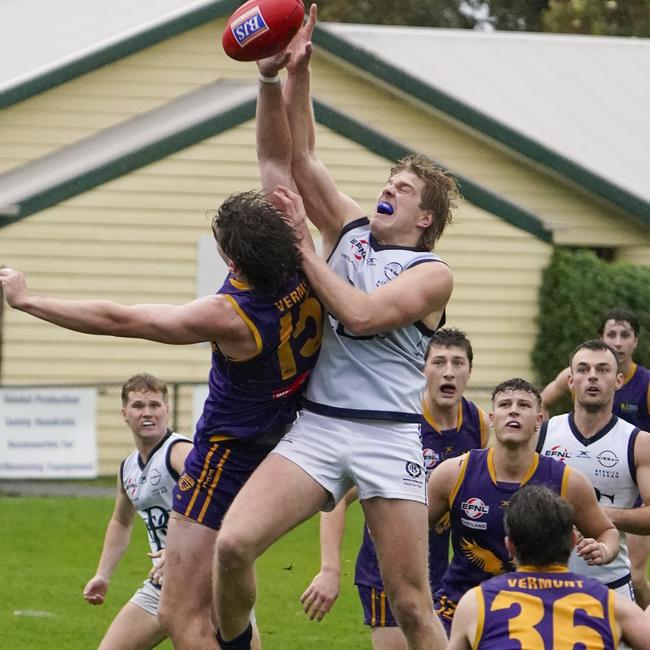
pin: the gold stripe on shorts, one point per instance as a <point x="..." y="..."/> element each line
<point x="213" y="485"/>
<point x="204" y="471"/>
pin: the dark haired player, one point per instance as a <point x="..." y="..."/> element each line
<point x="476" y="489"/>
<point x="612" y="453"/>
<point x="620" y="329"/>
<point x="543" y="604"/>
<point x="264" y="325"/>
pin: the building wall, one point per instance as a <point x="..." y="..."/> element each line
<point x="134" y="239"/>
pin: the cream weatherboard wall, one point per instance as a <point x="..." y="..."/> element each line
<point x="134" y="239"/>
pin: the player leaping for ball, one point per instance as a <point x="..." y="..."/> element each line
<point x="359" y="424"/>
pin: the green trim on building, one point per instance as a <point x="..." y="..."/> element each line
<point x="384" y="146"/>
<point x="117" y="51"/>
<point x="368" y="62"/>
<point x="370" y="139"/>
<point x="136" y="159"/>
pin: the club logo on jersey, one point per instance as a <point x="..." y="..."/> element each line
<point x="185" y="483"/>
<point x="156" y="522"/>
<point x="607" y="458"/>
<point x="474" y="508"/>
<point x="431" y="459"/>
<point x="359" y="248"/>
<point x="392" y="270"/>
<point x="559" y="453"/>
<point x="131" y="486"/>
<point x="154" y="476"/>
<point x="413" y="469"/>
<point x="249" y="26"/>
<point x="600" y="495"/>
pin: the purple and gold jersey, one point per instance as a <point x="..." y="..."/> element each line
<point x="476" y="504"/>
<point x="259" y="396"/>
<point x="535" y="609"/>
<point x="471" y="432"/>
<point x="632" y="399"/>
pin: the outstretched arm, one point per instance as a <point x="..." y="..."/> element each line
<point x="637" y="520"/>
<point x="601" y="542"/>
<point x="632" y="620"/>
<point x="273" y="138"/>
<point x="116" y="541"/>
<point x="201" y="320"/>
<point x="323" y="590"/>
<point x="328" y="208"/>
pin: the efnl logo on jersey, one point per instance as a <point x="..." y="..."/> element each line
<point x="474" y="508"/>
<point x="431" y="459"/>
<point x="248" y="26"/>
<point x="559" y="453"/>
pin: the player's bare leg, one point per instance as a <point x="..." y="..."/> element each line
<point x="276" y="498"/>
<point x="133" y="629"/>
<point x="388" y="638"/>
<point x="400" y="532"/>
<point x="639" y="548"/>
<point x="186" y="600"/>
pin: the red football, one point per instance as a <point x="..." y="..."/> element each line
<point x="261" y="28"/>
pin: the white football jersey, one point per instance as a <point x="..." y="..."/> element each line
<point x="607" y="460"/>
<point x="377" y="376"/>
<point x="149" y="487"/>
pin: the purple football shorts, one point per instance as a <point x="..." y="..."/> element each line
<point x="376" y="610"/>
<point x="214" y="473"/>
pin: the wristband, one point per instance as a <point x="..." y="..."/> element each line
<point x="268" y="80"/>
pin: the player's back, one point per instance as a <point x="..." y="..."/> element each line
<point x="545" y="609"/>
<point x="256" y="397"/>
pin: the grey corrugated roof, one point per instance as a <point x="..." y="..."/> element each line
<point x="584" y="98"/>
<point x="41" y="35"/>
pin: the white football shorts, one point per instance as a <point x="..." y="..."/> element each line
<point x="382" y="458"/>
<point x="147" y="597"/>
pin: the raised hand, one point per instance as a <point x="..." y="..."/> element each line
<point x="301" y="46"/>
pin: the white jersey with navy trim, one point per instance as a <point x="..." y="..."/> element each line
<point x="149" y="487"/>
<point x="375" y="377"/>
<point x="607" y="460"/>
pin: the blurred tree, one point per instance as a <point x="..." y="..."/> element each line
<point x="603" y="17"/>
<point x="503" y="14"/>
<point x="607" y="17"/>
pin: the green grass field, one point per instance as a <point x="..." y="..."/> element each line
<point x="50" y="548"/>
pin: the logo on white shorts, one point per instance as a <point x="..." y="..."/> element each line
<point x="413" y="469"/>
